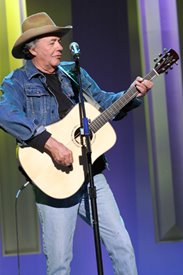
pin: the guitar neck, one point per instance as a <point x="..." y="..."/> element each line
<point x="115" y="108"/>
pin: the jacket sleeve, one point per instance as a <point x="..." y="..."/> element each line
<point x="104" y="98"/>
<point x="13" y="119"/>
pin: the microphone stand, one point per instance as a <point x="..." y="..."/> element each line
<point x="86" y="154"/>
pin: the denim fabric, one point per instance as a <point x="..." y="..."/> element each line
<point x="27" y="104"/>
<point x="26" y="107"/>
<point x="58" y="226"/>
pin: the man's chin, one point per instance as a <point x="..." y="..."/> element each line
<point x="57" y="62"/>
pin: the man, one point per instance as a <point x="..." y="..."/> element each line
<point x="41" y="93"/>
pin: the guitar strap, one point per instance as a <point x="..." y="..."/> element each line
<point x="88" y="98"/>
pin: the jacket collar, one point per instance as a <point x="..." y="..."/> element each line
<point x="31" y="70"/>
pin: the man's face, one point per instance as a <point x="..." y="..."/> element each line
<point x="47" y="53"/>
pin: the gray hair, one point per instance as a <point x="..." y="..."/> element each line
<point x="27" y="47"/>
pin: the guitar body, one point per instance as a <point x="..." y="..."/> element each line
<point x="63" y="182"/>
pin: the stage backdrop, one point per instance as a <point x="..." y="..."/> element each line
<point x="118" y="41"/>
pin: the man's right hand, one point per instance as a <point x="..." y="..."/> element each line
<point x="58" y="152"/>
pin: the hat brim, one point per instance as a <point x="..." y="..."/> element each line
<point x="17" y="50"/>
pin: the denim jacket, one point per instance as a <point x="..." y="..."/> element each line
<point x="27" y="105"/>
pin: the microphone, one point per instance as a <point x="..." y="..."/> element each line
<point x="75" y="50"/>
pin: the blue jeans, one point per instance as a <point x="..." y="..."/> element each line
<point x="58" y="226"/>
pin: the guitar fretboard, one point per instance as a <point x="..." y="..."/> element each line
<point x="114" y="109"/>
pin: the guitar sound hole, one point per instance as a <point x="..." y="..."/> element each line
<point x="78" y="136"/>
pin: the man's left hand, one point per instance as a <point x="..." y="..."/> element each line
<point x="142" y="86"/>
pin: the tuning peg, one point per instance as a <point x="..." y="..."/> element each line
<point x="160" y="55"/>
<point x="165" y="50"/>
<point x="166" y="72"/>
<point x="155" y="59"/>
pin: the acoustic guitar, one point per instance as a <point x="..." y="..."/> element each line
<point x="62" y="182"/>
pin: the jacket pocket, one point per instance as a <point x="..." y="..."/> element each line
<point x="38" y="102"/>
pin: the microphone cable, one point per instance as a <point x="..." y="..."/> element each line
<point x="16" y="224"/>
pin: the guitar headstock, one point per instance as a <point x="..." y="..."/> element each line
<point x="166" y="61"/>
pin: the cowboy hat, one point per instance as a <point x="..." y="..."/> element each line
<point x="36" y="25"/>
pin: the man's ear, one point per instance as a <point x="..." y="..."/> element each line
<point x="33" y="51"/>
